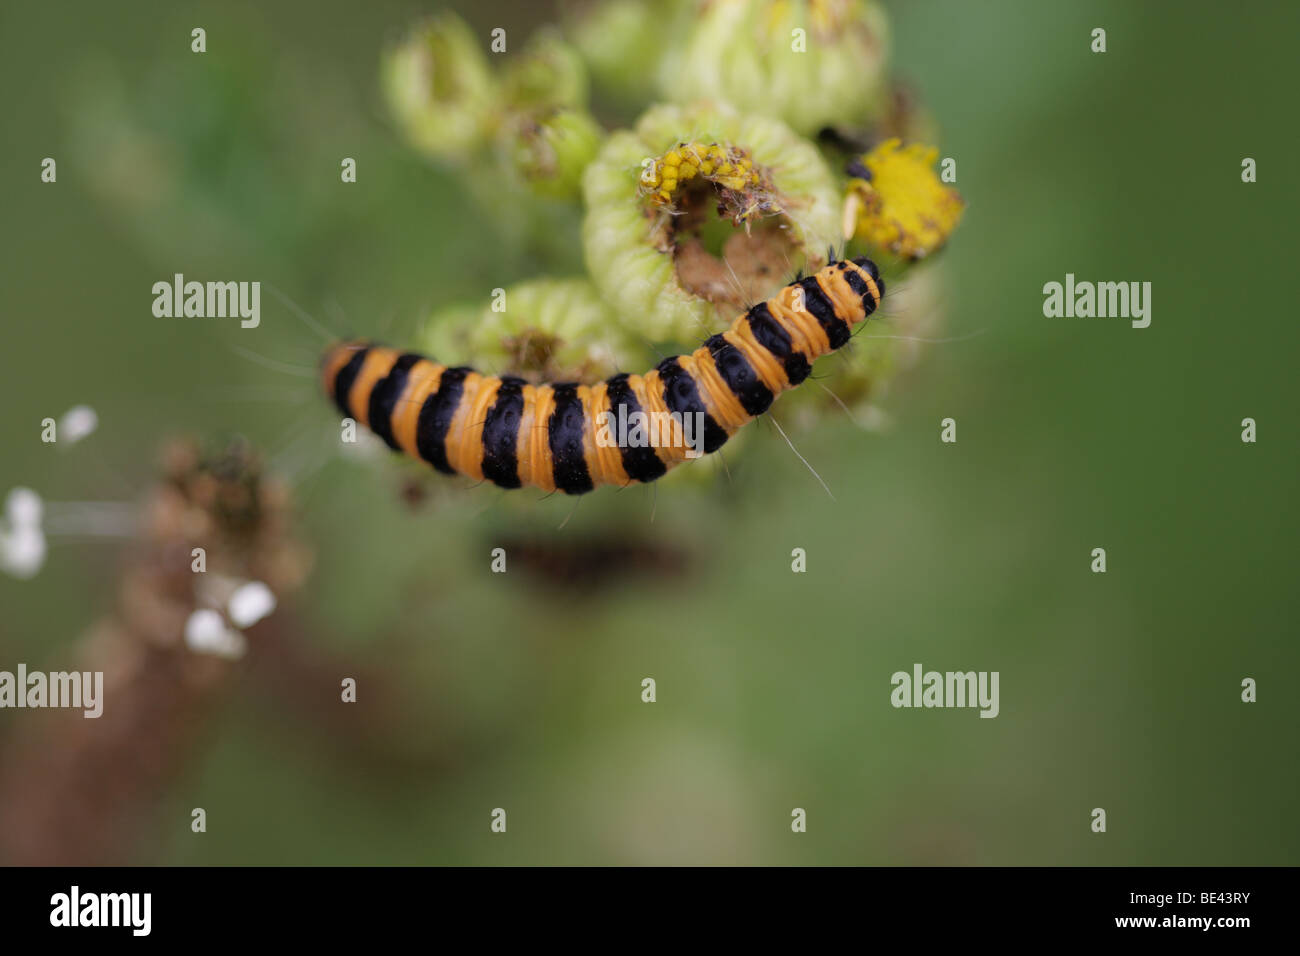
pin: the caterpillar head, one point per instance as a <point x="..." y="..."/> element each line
<point x="871" y="269"/>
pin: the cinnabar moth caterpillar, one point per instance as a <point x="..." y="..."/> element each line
<point x="514" y="433"/>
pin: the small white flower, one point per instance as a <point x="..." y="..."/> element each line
<point x="22" y="551"/>
<point x="250" y="603"/>
<point x="77" y="423"/>
<point x="206" y="632"/>
<point x="22" y="542"/>
<point x="24" y="508"/>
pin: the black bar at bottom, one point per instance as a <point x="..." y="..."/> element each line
<point x="332" y="905"/>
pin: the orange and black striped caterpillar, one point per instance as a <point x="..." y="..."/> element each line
<point x="546" y="436"/>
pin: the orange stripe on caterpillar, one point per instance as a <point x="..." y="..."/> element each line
<point x="629" y="428"/>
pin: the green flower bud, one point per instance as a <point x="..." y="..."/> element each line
<point x="439" y="89"/>
<point x="622" y="43"/>
<point x="548" y="74"/>
<point x="811" y="63"/>
<point x="551" y="152"/>
<point x="541" y="330"/>
<point x="662" y="258"/>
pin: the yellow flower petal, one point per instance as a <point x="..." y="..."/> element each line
<point x="903" y="208"/>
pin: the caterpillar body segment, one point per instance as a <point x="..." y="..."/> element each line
<point x="558" y="436"/>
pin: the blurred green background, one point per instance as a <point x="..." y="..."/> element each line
<point x="518" y="691"/>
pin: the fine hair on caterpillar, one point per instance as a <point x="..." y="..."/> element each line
<point x="550" y="436"/>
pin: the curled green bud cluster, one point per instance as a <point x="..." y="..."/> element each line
<point x="623" y="42"/>
<point x="810" y="63"/>
<point x="546" y="134"/>
<point x="540" y="330"/>
<point x="653" y="264"/>
<point x="439" y="88"/>
<point x="523" y="125"/>
<point x="551" y="151"/>
<point x="548" y="74"/>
